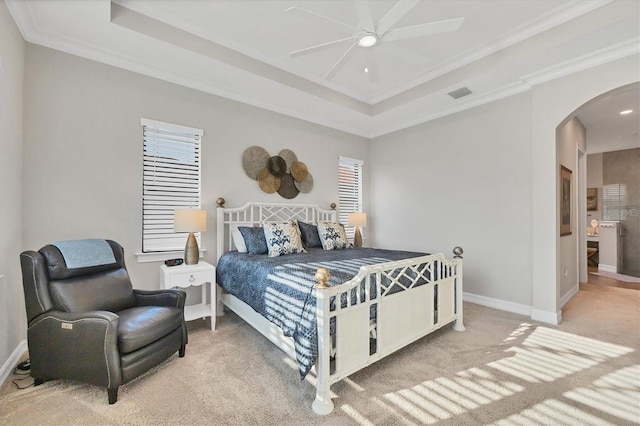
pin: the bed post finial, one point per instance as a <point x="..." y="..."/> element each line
<point x="333" y="206"/>
<point x="220" y="202"/>
<point x="457" y="250"/>
<point x="323" y="276"/>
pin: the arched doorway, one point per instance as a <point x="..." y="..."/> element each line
<point x="552" y="103"/>
<point x="613" y="177"/>
<point x="572" y="148"/>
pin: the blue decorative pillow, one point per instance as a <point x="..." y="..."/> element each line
<point x="282" y="238"/>
<point x="333" y="236"/>
<point x="254" y="239"/>
<point x="309" y="234"/>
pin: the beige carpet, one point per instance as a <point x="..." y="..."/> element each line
<point x="504" y="370"/>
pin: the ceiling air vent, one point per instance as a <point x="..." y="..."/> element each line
<point x="459" y="93"/>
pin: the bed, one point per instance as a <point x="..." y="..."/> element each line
<point x="333" y="311"/>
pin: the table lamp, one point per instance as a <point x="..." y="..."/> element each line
<point x="190" y="221"/>
<point x="358" y="220"/>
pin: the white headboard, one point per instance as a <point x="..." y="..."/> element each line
<point x="254" y="214"/>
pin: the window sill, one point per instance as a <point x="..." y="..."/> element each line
<point x="161" y="256"/>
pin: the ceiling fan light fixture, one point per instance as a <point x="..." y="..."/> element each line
<point x="367" y="40"/>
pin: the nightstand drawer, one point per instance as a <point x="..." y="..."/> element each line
<point x="186" y="279"/>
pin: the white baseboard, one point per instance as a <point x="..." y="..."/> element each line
<point x="569" y="295"/>
<point x="503" y="305"/>
<point x="554" y="318"/>
<point x="607" y="268"/>
<point x="13" y="361"/>
<point x="548" y="317"/>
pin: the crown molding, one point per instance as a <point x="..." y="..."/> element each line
<point x="22" y="16"/>
<point x="608" y="54"/>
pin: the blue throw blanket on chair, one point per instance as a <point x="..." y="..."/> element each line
<point x="85" y="253"/>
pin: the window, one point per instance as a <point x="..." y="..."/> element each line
<point x="614" y="201"/>
<point x="171" y="180"/>
<point x="349" y="190"/>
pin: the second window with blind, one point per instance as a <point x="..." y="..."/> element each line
<point x="171" y="180"/>
<point x="349" y="191"/>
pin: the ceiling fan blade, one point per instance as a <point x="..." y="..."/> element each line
<point x="306" y="14"/>
<point x="420" y="30"/>
<point x="372" y="66"/>
<point x="396" y="13"/>
<point x="365" y="20"/>
<point x="340" y="63"/>
<point x="311" y="49"/>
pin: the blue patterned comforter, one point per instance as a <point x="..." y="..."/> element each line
<point x="282" y="289"/>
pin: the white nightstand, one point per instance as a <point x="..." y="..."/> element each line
<point x="198" y="275"/>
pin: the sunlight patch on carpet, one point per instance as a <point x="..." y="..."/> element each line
<point x="547" y="355"/>
<point x="353" y="385"/>
<point x="524" y="328"/>
<point x="552" y="412"/>
<point x="544" y="356"/>
<point x="390" y="408"/>
<point x="443" y="398"/>
<point x="617" y="393"/>
<point x="355" y="415"/>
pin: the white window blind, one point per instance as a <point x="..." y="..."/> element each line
<point x="171" y="180"/>
<point x="349" y="190"/>
<point x="614" y="201"/>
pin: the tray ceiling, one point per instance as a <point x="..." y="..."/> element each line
<point x="241" y="50"/>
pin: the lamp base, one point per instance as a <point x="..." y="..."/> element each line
<point x="357" y="239"/>
<point x="191" y="251"/>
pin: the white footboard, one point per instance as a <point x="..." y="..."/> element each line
<point x="420" y="295"/>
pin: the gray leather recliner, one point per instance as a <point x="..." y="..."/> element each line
<point x="89" y="324"/>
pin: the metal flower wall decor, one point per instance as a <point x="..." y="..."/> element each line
<point x="282" y="173"/>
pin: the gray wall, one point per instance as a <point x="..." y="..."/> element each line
<point x="462" y="180"/>
<point x="623" y="167"/>
<point x="83" y="152"/>
<point x="12" y="314"/>
<point x="571" y="137"/>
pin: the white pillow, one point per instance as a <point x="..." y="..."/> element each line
<point x="282" y="238"/>
<point x="238" y="240"/>
<point x="332" y="236"/>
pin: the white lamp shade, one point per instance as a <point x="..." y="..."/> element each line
<point x="357" y="219"/>
<point x="190" y="221"/>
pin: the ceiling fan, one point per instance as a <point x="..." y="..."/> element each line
<point x="367" y="33"/>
